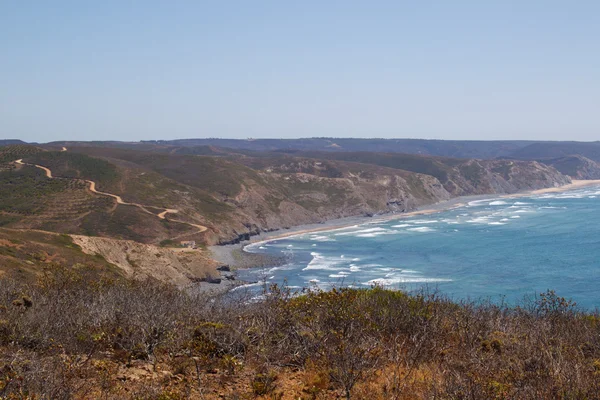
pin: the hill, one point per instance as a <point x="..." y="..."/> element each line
<point x="225" y="195"/>
<point x="6" y="142"/>
<point x="575" y="166"/>
<point x="444" y="148"/>
<point x="550" y="150"/>
<point x="25" y="256"/>
<point x="472" y="149"/>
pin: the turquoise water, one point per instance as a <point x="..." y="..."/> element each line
<point x="503" y="249"/>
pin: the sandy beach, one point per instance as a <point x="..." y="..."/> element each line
<point x="234" y="255"/>
<point x="575" y="184"/>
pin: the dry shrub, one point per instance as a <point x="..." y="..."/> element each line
<point x="66" y="334"/>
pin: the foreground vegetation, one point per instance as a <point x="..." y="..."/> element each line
<point x="68" y="337"/>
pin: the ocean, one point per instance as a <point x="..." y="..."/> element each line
<point x="503" y="250"/>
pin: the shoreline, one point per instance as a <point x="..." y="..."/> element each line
<point x="235" y="255"/>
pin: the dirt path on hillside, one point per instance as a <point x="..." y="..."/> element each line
<point x="46" y="170"/>
<point x="119" y="200"/>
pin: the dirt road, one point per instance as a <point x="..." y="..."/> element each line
<point x="92" y="187"/>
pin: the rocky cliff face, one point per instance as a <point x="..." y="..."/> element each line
<point x="299" y="198"/>
<point x="576" y="166"/>
<point x="316" y="191"/>
<point x="502" y="176"/>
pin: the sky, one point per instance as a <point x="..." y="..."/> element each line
<point x="137" y="70"/>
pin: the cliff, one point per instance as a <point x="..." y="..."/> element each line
<point x="311" y="191"/>
<point x="576" y="166"/>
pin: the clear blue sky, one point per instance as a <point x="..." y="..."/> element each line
<point x="131" y="70"/>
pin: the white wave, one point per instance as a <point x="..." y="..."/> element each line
<point x="395" y="281"/>
<point x="476" y="203"/>
<point x="377" y="233"/>
<point x="251" y="248"/>
<point x="504" y="219"/>
<point x="401" y="226"/>
<point x="361" y="231"/>
<point x="323" y="263"/>
<point x="354" y="268"/>
<point x="497" y="223"/>
<point x="570" y="196"/>
<point x="497" y="203"/>
<point x="356" y="259"/>
<point x="520" y="203"/>
<point x="248" y="285"/>
<point x="515" y="216"/>
<point x="314" y="281"/>
<point x="262" y="247"/>
<point x="421" y="229"/>
<point x="524" y="211"/>
<point x="314" y="245"/>
<point x="423" y="221"/>
<point x="479" y="220"/>
<point x="450" y="221"/>
<point x="338" y="276"/>
<point x="369" y="230"/>
<point x="322" y="238"/>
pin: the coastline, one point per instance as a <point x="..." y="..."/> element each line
<point x="234" y="255"/>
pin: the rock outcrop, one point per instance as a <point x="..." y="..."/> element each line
<point x="138" y="260"/>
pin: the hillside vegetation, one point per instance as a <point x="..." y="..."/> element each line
<point x="27" y="255"/>
<point x="233" y="193"/>
<point x="511" y="149"/>
<point x="68" y="337"/>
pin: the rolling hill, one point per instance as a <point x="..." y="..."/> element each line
<point x="159" y="194"/>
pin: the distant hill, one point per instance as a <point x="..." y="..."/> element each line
<point x="589" y="150"/>
<point x="347" y="148"/>
<point x="6" y="142"/>
<point x="444" y="148"/>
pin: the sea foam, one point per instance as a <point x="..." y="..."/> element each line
<point x="421" y="229"/>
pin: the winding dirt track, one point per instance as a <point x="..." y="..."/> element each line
<point x="161" y="215"/>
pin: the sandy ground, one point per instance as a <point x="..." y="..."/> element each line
<point x="575" y="184"/>
<point x="234" y="255"/>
